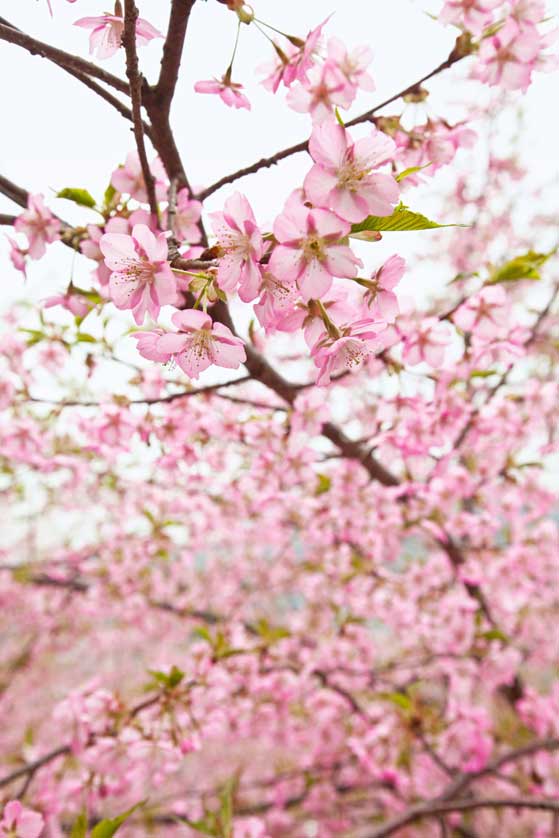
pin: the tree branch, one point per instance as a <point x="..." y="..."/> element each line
<point x="15" y="193"/>
<point x="172" y="53"/>
<point x="431" y="810"/>
<point x="135" y="80"/>
<point x="7" y="220"/>
<point x="63" y="59"/>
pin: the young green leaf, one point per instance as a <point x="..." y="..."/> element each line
<point x="108" y="827"/>
<point x="401" y="220"/>
<point x="525" y="266"/>
<point x="79" y="196"/>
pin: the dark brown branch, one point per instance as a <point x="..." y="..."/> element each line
<point x="58" y="56"/>
<point x="32" y="767"/>
<point x="135" y="81"/>
<point x="431" y="810"/>
<point x="7" y="220"/>
<point x="15" y="193"/>
<point x="367" y="116"/>
<point x="172" y="53"/>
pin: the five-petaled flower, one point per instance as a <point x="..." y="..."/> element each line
<point x="310" y="248"/>
<point x="343" y="177"/>
<point x="39" y="225"/>
<point x="199" y="344"/>
<point x="19" y="822"/>
<point x="141" y="278"/>
<point x="241" y="246"/>
<point x="107" y="30"/>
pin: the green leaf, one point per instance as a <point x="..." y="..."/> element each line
<point x="79" y="828"/>
<point x="401" y="220"/>
<point x="169" y="680"/>
<point x="108" y="827"/>
<point x="108" y="197"/>
<point x="83" y="337"/>
<point x="495" y="634"/>
<point x="323" y="484"/>
<point x="411" y="171"/>
<point x="79" y="196"/>
<point x="402" y="701"/>
<point x="521" y="267"/>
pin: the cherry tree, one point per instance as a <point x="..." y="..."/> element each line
<point x="281" y="542"/>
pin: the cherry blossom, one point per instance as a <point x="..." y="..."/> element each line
<point x="380" y="297"/>
<point x="427" y="343"/>
<point x="509" y="56"/>
<point x="199" y="344"/>
<point x="228" y="91"/>
<point x="343" y="179"/>
<point x="129" y="178"/>
<point x="19" y="822"/>
<point x="473" y="15"/>
<point x="187" y="216"/>
<point x="141" y="278"/>
<point x="310" y="250"/>
<point x="241" y="247"/>
<point x="486" y="313"/>
<point x="39" y="225"/>
<point x="346" y="351"/>
<point x="106" y="35"/>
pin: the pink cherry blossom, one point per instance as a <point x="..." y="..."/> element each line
<point x="240" y="242"/>
<point x="325" y="89"/>
<point x="277" y="299"/>
<point x="90" y="245"/>
<point x="199" y="344"/>
<point x="380" y="297"/>
<point x="310" y="250"/>
<point x="106" y="35"/>
<point x="39" y="225"/>
<point x="141" y="279"/>
<point x="347" y="351"/>
<point x="509" y="57"/>
<point x="472" y="15"/>
<point x="19" y="822"/>
<point x="187" y="216"/>
<point x="129" y="178"/>
<point x="353" y="64"/>
<point x="486" y="314"/>
<point x="228" y="91"/>
<point x="18" y="256"/>
<point x="427" y="343"/>
<point x="343" y="177"/>
<point x="74" y="302"/>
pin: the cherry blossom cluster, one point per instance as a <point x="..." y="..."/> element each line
<point x="288" y="601"/>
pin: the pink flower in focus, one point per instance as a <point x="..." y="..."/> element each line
<point x="353" y="65"/>
<point x="509" y="57"/>
<point x="106" y="34"/>
<point x="277" y="299"/>
<point x="325" y="89"/>
<point x="200" y="343"/>
<point x="426" y="343"/>
<point x="147" y="345"/>
<point x="472" y="15"/>
<point x="381" y="299"/>
<point x="187" y="216"/>
<point x="227" y="90"/>
<point x="241" y="242"/>
<point x="18" y="822"/>
<point x="310" y="249"/>
<point x="130" y="178"/>
<point x="141" y="279"/>
<point x="39" y="225"/>
<point x="485" y="314"/>
<point x="90" y="246"/>
<point x="304" y="58"/>
<point x="346" y="352"/>
<point x="343" y="179"/>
